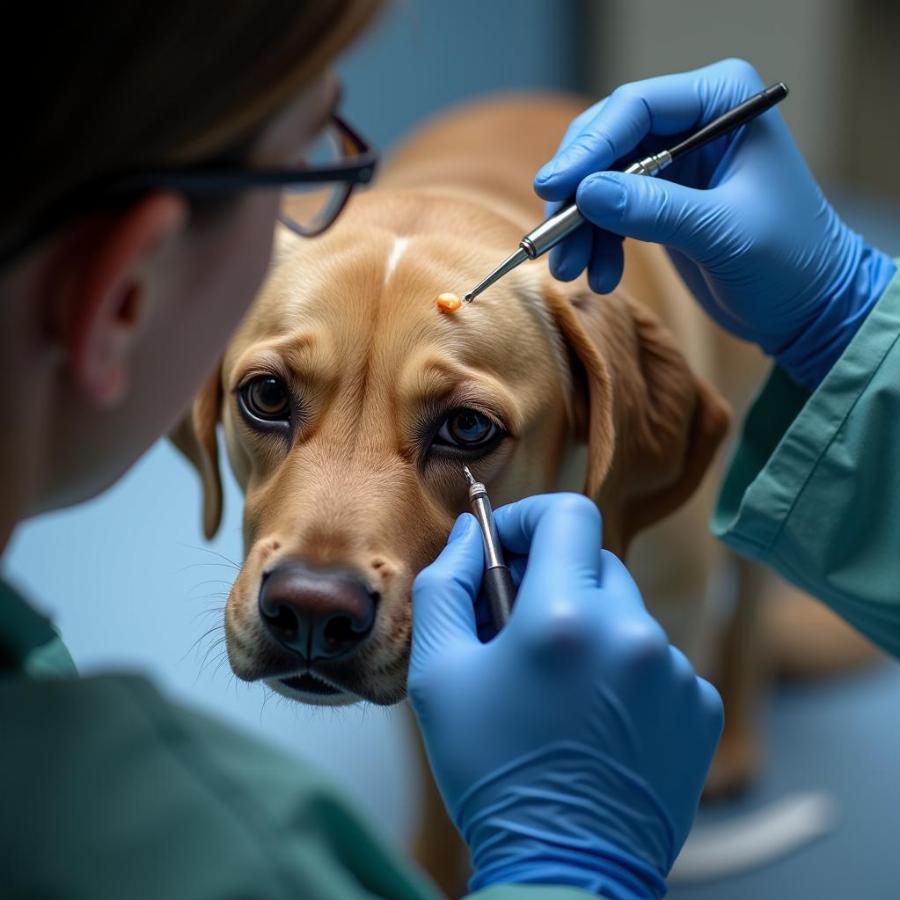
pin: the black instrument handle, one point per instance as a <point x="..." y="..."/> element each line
<point x="501" y="594"/>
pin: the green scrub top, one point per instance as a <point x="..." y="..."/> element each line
<point x="111" y="791"/>
<point x="813" y="489"/>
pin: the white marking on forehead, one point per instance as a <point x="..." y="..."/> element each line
<point x="400" y="245"/>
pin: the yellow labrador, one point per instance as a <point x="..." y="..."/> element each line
<point x="349" y="404"/>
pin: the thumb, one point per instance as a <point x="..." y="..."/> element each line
<point x="443" y="594"/>
<point x="647" y="208"/>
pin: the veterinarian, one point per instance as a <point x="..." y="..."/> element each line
<point x="570" y="751"/>
<point x="813" y="489"/>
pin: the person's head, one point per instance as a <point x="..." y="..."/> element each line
<point x="111" y="317"/>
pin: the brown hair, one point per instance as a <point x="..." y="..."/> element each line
<point x="111" y="85"/>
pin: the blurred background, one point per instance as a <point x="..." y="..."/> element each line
<point x="133" y="585"/>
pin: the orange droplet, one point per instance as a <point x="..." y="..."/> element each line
<point x="448" y="303"/>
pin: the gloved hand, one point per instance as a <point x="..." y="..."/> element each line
<point x="743" y="218"/>
<point x="572" y="748"/>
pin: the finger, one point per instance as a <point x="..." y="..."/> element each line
<point x="701" y="695"/>
<point x="661" y="106"/>
<point x="543" y="179"/>
<point x="621" y="596"/>
<point x="651" y="209"/>
<point x="443" y="594"/>
<point x="714" y="711"/>
<point x="657" y="106"/>
<point x="578" y="124"/>
<point x="517" y="521"/>
<point x="622" y="123"/>
<point x="517" y="565"/>
<point x="682" y="666"/>
<point x="607" y="262"/>
<point x="563" y="536"/>
<point x="570" y="258"/>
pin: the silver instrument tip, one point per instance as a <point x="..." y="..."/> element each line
<point x="469" y="476"/>
<point x="511" y="262"/>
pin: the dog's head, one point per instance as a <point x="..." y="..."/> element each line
<point x="349" y="404"/>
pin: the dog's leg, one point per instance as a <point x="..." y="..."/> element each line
<point x="437" y="846"/>
<point x="741" y="676"/>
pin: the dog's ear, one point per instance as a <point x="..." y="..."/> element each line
<point x="650" y="423"/>
<point x="195" y="437"/>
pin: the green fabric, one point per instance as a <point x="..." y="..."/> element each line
<point x="28" y="641"/>
<point x="110" y="791"/>
<point x="813" y="489"/>
<point x="51" y="660"/>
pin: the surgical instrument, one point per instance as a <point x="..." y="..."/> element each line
<point x="560" y="225"/>
<point x="497" y="578"/>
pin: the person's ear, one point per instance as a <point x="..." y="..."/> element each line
<point x="650" y="423"/>
<point x="100" y="297"/>
<point x="196" y="437"/>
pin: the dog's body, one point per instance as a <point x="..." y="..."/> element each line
<point x="362" y="478"/>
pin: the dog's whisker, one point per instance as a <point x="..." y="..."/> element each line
<point x="215" y="604"/>
<point x="214" y="652"/>
<point x="216" y="597"/>
<point x="195" y="647"/>
<point x="222" y="659"/>
<point x="210" y="550"/>
<point x="199" y="565"/>
<point x="219" y="626"/>
<point x="217" y="610"/>
<point x="200" y="584"/>
<point x="217" y="644"/>
<point x="262" y="708"/>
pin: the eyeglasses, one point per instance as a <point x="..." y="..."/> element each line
<point x="316" y="188"/>
<point x="338" y="161"/>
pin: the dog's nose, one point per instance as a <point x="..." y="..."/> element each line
<point x="317" y="613"/>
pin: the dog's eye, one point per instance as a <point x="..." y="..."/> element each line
<point x="467" y="429"/>
<point x="266" y="397"/>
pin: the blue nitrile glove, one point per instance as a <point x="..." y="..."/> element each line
<point x="743" y="218"/>
<point x="572" y="748"/>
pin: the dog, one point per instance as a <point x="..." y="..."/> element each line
<point x="349" y="404"/>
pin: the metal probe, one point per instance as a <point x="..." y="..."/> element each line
<point x="559" y="226"/>
<point x="497" y="579"/>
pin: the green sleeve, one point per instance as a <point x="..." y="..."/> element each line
<point x="110" y="791"/>
<point x="813" y="489"/>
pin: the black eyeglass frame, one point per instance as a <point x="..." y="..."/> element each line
<point x="211" y="179"/>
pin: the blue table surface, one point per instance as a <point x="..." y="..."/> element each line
<point x="842" y="738"/>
